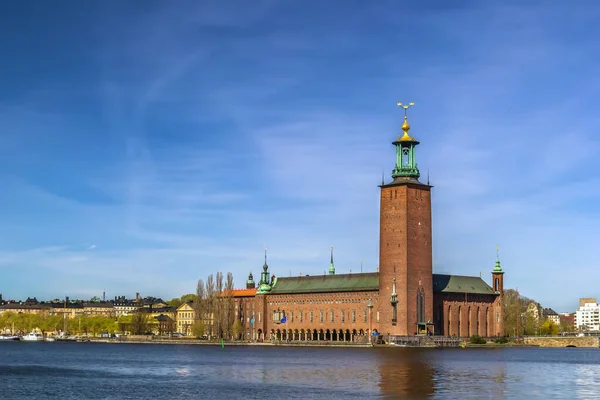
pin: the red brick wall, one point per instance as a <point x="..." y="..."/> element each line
<point x="405" y="242"/>
<point x="326" y="302"/>
<point x="450" y="307"/>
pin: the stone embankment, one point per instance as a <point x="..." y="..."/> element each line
<point x="563" y="341"/>
<point x="141" y="339"/>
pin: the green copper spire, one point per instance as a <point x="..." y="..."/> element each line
<point x="264" y="284"/>
<point x="497" y="269"/>
<point x="406" y="164"/>
<point x="331" y="266"/>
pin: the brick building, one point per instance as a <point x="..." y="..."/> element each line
<point x="403" y="298"/>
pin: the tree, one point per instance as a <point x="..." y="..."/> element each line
<point x="549" y="328"/>
<point x="139" y="323"/>
<point x="228" y="307"/>
<point x="176" y="302"/>
<point x="237" y="329"/>
<point x="198" y="329"/>
<point x="528" y="324"/>
<point x="187" y="298"/>
<point x="210" y="304"/>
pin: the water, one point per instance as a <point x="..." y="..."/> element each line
<point x="129" y="371"/>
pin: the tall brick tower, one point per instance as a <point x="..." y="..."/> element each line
<point x="405" y="258"/>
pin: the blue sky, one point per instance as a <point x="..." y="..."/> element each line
<point x="144" y="145"/>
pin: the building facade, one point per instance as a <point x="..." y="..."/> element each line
<point x="587" y="317"/>
<point x="404" y="297"/>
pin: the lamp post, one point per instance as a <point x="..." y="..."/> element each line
<point x="370" y="305"/>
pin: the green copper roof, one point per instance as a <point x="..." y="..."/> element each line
<point x="460" y="284"/>
<point x="498" y="268"/>
<point x="327" y="283"/>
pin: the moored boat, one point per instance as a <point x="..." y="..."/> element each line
<point x="9" y="337"/>
<point x="33" y="337"/>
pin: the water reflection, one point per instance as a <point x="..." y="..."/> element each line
<point x="406" y="374"/>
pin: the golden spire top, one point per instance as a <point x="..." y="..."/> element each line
<point x="405" y="125"/>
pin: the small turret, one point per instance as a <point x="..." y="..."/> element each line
<point x="498" y="275"/>
<point x="250" y="282"/>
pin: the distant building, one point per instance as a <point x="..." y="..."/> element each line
<point x="587" y="317"/>
<point x="584" y="300"/>
<point x="185" y="318"/>
<point x="124" y="307"/>
<point x="101" y="308"/>
<point x="567" y="321"/>
<point x="551" y="315"/>
<point x="534" y="310"/>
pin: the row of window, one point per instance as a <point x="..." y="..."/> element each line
<point x="299" y="316"/>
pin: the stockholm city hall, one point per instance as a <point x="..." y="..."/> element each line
<point x="403" y="298"/>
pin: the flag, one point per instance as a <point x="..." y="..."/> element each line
<point x="283" y="320"/>
<point x="252" y="320"/>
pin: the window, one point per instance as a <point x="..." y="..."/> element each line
<point x="259" y="316"/>
<point x="321" y="316"/>
<point x="420" y="306"/>
<point x="343" y="316"/>
<point x="300" y="316"/>
<point x="353" y="315"/>
<point x="365" y="315"/>
<point x="331" y="315"/>
<point x="377" y="316"/>
<point x="311" y="316"/>
<point x="292" y="316"/>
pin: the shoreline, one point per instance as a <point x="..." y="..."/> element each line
<point x="296" y="344"/>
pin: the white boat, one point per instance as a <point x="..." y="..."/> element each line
<point x="50" y="339"/>
<point x="33" y="337"/>
<point x="9" y="337"/>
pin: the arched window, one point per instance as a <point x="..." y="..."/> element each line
<point x="332" y="315"/>
<point x="365" y="315"/>
<point x="420" y="306"/>
<point x="459" y="321"/>
<point x="321" y="316"/>
<point x="353" y="315"/>
<point x="487" y="322"/>
<point x="497" y="285"/>
<point x="311" y="316"/>
<point x="469" y="321"/>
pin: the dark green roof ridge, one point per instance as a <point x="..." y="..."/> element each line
<point x="443" y="283"/>
<point x="327" y="283"/>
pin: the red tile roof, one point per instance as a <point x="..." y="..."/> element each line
<point x="240" y="292"/>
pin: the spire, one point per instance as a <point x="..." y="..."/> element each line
<point x="497" y="268"/>
<point x="406" y="165"/>
<point x="406" y="125"/>
<point x="264" y="286"/>
<point x="265" y="266"/>
<point x="331" y="266"/>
